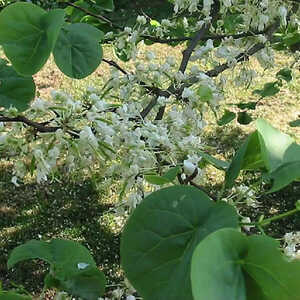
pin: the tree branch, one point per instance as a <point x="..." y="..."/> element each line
<point x="39" y="127"/>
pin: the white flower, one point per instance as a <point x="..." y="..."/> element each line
<point x="82" y="266"/>
<point x="87" y="136"/>
<point x="141" y="20"/>
<point x="283" y="14"/>
<point x="188" y="167"/>
<point x="40" y="104"/>
<point x="150" y="55"/>
<point x="14" y="180"/>
<point x="187" y="93"/>
<point x="130" y="297"/>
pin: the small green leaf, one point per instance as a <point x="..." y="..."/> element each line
<point x="242" y="268"/>
<point x="77" y="52"/>
<point x="244" y="118"/>
<point x="160" y="237"/>
<point x="247" y="105"/>
<point x="158" y="180"/>
<point x="205" y="93"/>
<point x="270" y="89"/>
<point x="217" y="163"/>
<point x="15" y="90"/>
<point x="28" y="35"/>
<point x="172" y="173"/>
<point x="227" y="117"/>
<point x="154" y="23"/>
<point x="285" y="74"/>
<point x="13" y="296"/>
<point x="88" y="284"/>
<point x="248" y="156"/>
<point x="295" y="123"/>
<point x="106" y="4"/>
<point x="231" y="21"/>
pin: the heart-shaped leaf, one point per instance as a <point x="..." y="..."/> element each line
<point x="230" y="265"/>
<point x="244" y="118"/>
<point x="77" y="52"/>
<point x="28" y="35"/>
<point x="71" y="266"/>
<point x="227" y="117"/>
<point x="285" y="74"/>
<point x="160" y="237"/>
<point x="295" y="123"/>
<point x="270" y="89"/>
<point x="284" y="175"/>
<point x="15" y="90"/>
<point x="277" y="148"/>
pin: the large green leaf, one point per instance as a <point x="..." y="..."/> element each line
<point x="13" y="296"/>
<point x="284" y="175"/>
<point x="160" y="237"/>
<point x="230" y="265"/>
<point x="267" y="148"/>
<point x="15" y="90"/>
<point x="28" y="35"/>
<point x="70" y="263"/>
<point x="77" y="52"/>
<point x="277" y="148"/>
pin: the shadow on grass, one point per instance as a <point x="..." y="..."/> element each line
<point x="68" y="211"/>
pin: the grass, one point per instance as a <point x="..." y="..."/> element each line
<point x="76" y="209"/>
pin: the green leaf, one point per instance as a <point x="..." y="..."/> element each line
<point x="230" y="265"/>
<point x="15" y="90"/>
<point x="88" y="284"/>
<point x="285" y="74"/>
<point x="295" y="123"/>
<point x="160" y="237"/>
<point x="205" y="93"/>
<point x="71" y="266"/>
<point x="227" y="117"/>
<point x="172" y="173"/>
<point x="28" y="35"/>
<point x="248" y="156"/>
<point x="217" y="163"/>
<point x="154" y="23"/>
<point x="247" y="105"/>
<point x="106" y="4"/>
<point x="244" y="118"/>
<point x="77" y="52"/>
<point x="13" y="296"/>
<point x="277" y="148"/>
<point x="155" y="179"/>
<point x="231" y="21"/>
<point x="284" y="175"/>
<point x="270" y="89"/>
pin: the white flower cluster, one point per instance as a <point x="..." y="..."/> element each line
<point x="98" y="132"/>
